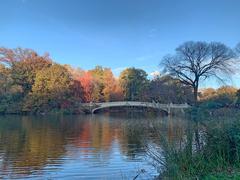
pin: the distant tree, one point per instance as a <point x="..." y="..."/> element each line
<point x="9" y="56"/>
<point x="98" y="76"/>
<point x="207" y="93"/>
<point x="77" y="92"/>
<point x="133" y="82"/>
<point x="87" y="83"/>
<point x="226" y="96"/>
<point x="112" y="90"/>
<point x="166" y="89"/>
<point x="10" y="94"/>
<point x="5" y="79"/>
<point x="24" y="64"/>
<point x="109" y="85"/>
<point x="196" y="61"/>
<point x="105" y="85"/>
<point x="98" y="72"/>
<point x="24" y="72"/>
<point x="50" y="90"/>
<point x="226" y="90"/>
<point x="117" y="94"/>
<point x="76" y="73"/>
<point x="18" y="70"/>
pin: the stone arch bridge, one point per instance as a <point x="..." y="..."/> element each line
<point x="93" y="107"/>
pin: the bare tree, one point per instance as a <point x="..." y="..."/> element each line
<point x="9" y="56"/>
<point x="196" y="61"/>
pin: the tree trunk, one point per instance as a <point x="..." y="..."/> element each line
<point x="195" y="93"/>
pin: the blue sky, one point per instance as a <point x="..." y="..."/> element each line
<point x="116" y="33"/>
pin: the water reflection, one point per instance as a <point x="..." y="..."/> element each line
<point x="86" y="147"/>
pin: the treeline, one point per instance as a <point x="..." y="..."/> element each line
<point x="33" y="83"/>
<point x="223" y="97"/>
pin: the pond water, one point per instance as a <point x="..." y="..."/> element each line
<point x="81" y="147"/>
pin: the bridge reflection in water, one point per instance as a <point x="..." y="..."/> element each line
<point x="93" y="107"/>
<point x="83" y="147"/>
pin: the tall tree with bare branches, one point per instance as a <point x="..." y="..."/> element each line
<point x="196" y="61"/>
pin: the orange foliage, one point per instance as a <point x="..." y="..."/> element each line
<point x="87" y="83"/>
<point x="112" y="90"/>
<point x="106" y="86"/>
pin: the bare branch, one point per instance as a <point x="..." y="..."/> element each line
<point x="9" y="56"/>
<point x="195" y="61"/>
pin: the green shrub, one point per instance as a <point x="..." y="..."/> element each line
<point x="219" y="152"/>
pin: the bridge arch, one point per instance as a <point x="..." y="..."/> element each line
<point x="93" y="107"/>
<point x="100" y="108"/>
<point x="130" y="104"/>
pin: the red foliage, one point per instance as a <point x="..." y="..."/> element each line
<point x="87" y="83"/>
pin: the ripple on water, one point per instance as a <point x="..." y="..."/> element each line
<point x="75" y="147"/>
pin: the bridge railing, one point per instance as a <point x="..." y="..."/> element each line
<point x="137" y="103"/>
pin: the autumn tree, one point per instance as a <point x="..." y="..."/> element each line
<point x="5" y="79"/>
<point x="76" y="73"/>
<point x="109" y="84"/>
<point x="197" y="61"/>
<point x="24" y="72"/>
<point x="117" y="94"/>
<point x="104" y="85"/>
<point x="226" y="90"/>
<point x="9" y="56"/>
<point x="10" y="93"/>
<point x="50" y="90"/>
<point x="207" y="93"/>
<point x="24" y="65"/>
<point x="111" y="90"/>
<point x="224" y="96"/>
<point x="133" y="82"/>
<point x="7" y="86"/>
<point x="87" y="83"/>
<point x="77" y="92"/>
<point x="98" y="75"/>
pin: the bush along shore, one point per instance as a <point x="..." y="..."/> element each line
<point x="210" y="149"/>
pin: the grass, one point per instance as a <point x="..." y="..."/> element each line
<point x="223" y="175"/>
<point x="211" y="151"/>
